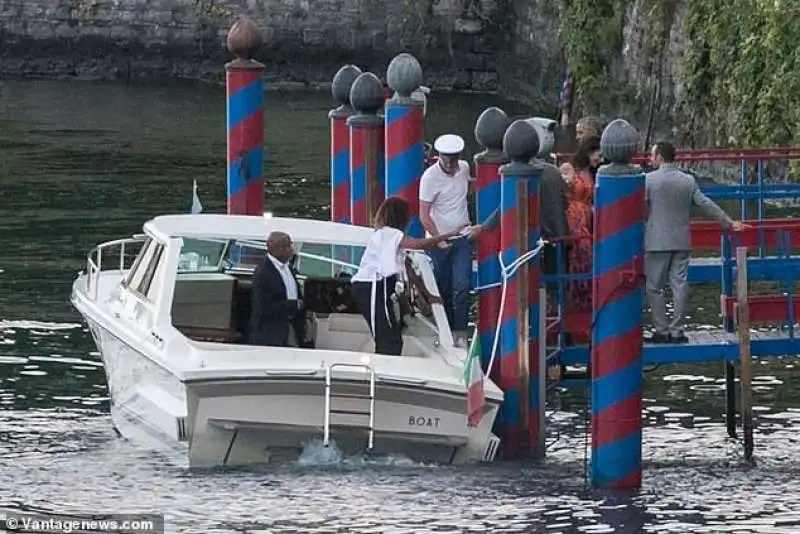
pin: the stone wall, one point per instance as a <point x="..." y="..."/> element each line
<point x="510" y="46"/>
<point x="534" y="68"/>
<point x="305" y="40"/>
<point x="644" y="86"/>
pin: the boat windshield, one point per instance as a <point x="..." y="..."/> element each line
<point x="314" y="263"/>
<point x="202" y="255"/>
<point x="313" y="259"/>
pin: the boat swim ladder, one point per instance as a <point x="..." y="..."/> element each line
<point x="329" y="395"/>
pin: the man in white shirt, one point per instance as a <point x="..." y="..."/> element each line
<point x="443" y="207"/>
<point x="276" y="317"/>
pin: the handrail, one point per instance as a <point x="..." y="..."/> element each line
<point x="718" y="154"/>
<point x="94" y="260"/>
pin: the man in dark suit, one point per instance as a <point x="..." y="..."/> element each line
<point x="277" y="318"/>
<point x="554" y="193"/>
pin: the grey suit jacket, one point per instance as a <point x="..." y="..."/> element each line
<point x="671" y="193"/>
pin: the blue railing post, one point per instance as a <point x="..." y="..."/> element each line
<point x="743" y="182"/>
<point x="730" y="370"/>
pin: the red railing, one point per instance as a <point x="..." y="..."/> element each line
<point x="707" y="235"/>
<point x="718" y="154"/>
<point x="764" y="308"/>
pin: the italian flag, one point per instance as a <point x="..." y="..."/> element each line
<point x="473" y="377"/>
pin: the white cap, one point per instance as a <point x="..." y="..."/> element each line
<point x="449" y="144"/>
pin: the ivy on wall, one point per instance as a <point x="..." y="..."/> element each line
<point x="212" y="9"/>
<point x="740" y="74"/>
<point x="743" y="65"/>
<point x="590" y="32"/>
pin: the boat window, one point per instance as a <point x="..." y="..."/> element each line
<point x="245" y="255"/>
<point x="136" y="270"/>
<point x="201" y="255"/>
<point x="312" y="259"/>
<point x="143" y="287"/>
<point x="159" y="272"/>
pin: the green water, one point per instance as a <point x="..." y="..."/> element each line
<point x="84" y="163"/>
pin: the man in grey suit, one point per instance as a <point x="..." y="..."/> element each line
<point x="670" y="194"/>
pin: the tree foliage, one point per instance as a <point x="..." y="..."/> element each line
<point x="742" y="69"/>
<point x="591" y="35"/>
<point x="740" y="73"/>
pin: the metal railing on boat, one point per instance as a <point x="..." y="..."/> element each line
<point x="124" y="253"/>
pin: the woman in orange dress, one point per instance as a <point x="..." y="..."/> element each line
<point x="579" y="217"/>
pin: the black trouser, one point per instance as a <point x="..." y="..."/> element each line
<point x="549" y="265"/>
<point x="387" y="330"/>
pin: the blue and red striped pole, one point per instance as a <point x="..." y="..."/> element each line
<point x="366" y="149"/>
<point x="520" y="143"/>
<point x="536" y="434"/>
<point x="404" y="132"/>
<point x="245" y="112"/>
<point x="340" y="155"/>
<point x="489" y="130"/>
<point x="340" y="143"/>
<point x="617" y="319"/>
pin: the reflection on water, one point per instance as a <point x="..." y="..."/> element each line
<point x="83" y="163"/>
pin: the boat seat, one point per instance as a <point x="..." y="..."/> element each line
<point x="342" y="331"/>
<point x="347" y="322"/>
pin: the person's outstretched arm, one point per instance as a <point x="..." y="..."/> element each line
<point x="415" y="243"/>
<point x="710" y="208"/>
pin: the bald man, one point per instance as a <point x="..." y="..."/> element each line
<point x="277" y="313"/>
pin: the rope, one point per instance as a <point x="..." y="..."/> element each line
<point x="587" y="429"/>
<point x="507" y="272"/>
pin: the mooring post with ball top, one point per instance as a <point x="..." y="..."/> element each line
<point x="522" y="425"/>
<point x="489" y="130"/>
<point x="340" y="152"/>
<point x="366" y="148"/>
<point x="340" y="142"/>
<point x="618" y="277"/>
<point x="245" y="112"/>
<point x="404" y="132"/>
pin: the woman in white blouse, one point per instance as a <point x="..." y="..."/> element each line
<point x="374" y="283"/>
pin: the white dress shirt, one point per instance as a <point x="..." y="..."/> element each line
<point x="382" y="258"/>
<point x="286" y="275"/>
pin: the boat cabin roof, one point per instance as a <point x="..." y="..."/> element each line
<point x="254" y="228"/>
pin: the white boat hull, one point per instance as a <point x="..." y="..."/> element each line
<point x="169" y="333"/>
<point x="258" y="420"/>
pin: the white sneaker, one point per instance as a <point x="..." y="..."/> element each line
<point x="460" y="341"/>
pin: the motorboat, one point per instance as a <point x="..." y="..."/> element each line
<point x="169" y="308"/>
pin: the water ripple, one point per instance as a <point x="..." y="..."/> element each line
<point x="91" y="183"/>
